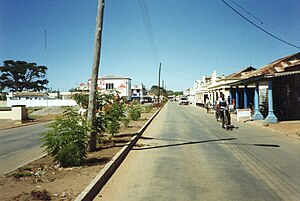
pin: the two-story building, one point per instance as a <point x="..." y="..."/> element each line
<point x="114" y="82"/>
<point x="140" y="93"/>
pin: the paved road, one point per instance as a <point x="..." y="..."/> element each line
<point x="185" y="155"/>
<point x="19" y="146"/>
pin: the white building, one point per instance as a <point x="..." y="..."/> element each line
<point x="201" y="90"/>
<point x="40" y="99"/>
<point x="114" y="82"/>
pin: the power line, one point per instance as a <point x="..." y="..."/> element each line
<point x="261" y="22"/>
<point x="176" y="75"/>
<point x="148" y="28"/>
<point x="272" y="35"/>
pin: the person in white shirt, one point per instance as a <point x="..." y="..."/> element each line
<point x="222" y="104"/>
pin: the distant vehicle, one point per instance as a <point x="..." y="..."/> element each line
<point x="183" y="101"/>
<point x="146" y="99"/>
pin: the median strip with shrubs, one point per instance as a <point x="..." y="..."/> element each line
<point x="68" y="168"/>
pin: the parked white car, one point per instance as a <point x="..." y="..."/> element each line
<point x="183" y="101"/>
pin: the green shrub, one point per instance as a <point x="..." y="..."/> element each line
<point x="114" y="114"/>
<point x="134" y="112"/>
<point x="81" y="99"/>
<point x="126" y="121"/>
<point x="146" y="108"/>
<point x="25" y="168"/>
<point x="67" y="139"/>
<point x="19" y="175"/>
<point x="113" y="127"/>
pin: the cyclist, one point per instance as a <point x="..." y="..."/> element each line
<point x="222" y="104"/>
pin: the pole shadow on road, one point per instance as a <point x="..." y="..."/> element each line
<point x="179" y="144"/>
<point x="198" y="142"/>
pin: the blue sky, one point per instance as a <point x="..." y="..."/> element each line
<point x="192" y="38"/>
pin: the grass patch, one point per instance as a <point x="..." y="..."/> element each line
<point x="19" y="175"/>
<point x="25" y="168"/>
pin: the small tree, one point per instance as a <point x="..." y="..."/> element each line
<point x="20" y="75"/>
<point x="134" y="112"/>
<point x="81" y="99"/>
<point x="67" y="139"/>
<point x="114" y="114"/>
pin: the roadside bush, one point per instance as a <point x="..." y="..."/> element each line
<point x="19" y="175"/>
<point x="81" y="99"/>
<point x="134" y="112"/>
<point x="126" y="121"/>
<point x="67" y="139"/>
<point x="146" y="108"/>
<point x="114" y="114"/>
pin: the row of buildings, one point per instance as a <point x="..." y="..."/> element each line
<point x="109" y="82"/>
<point x="272" y="92"/>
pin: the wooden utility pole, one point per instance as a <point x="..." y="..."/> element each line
<point x="159" y="83"/>
<point x="95" y="69"/>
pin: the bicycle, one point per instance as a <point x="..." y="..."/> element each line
<point x="225" y="118"/>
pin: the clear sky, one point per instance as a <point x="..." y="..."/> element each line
<point x="191" y="38"/>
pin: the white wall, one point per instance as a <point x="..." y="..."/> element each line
<point x="44" y="103"/>
<point x="3" y="103"/>
<point x="16" y="113"/>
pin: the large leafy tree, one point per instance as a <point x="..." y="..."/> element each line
<point x="20" y="75"/>
<point x="154" y="90"/>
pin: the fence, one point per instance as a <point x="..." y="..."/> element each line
<point x="42" y="103"/>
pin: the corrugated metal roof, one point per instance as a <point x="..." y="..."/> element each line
<point x="280" y="65"/>
<point x="282" y="74"/>
<point x="242" y="73"/>
<point x="285" y="66"/>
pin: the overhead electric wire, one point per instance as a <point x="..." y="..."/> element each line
<point x="272" y="35"/>
<point x="261" y="22"/>
<point x="174" y="74"/>
<point x="148" y="28"/>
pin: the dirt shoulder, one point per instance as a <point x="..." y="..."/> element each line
<point x="284" y="128"/>
<point x="288" y="128"/>
<point x="44" y="180"/>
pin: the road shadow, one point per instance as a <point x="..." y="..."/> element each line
<point x="257" y="145"/>
<point x="162" y="139"/>
<point x="180" y="144"/>
<point x="146" y="146"/>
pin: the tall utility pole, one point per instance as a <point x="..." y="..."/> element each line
<point x="95" y="69"/>
<point x="46" y="54"/>
<point x="159" y="82"/>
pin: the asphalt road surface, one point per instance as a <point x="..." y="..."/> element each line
<point x="185" y="155"/>
<point x="19" y="146"/>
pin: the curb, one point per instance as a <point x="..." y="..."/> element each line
<point x="92" y="190"/>
<point x="26" y="163"/>
<point x="18" y="125"/>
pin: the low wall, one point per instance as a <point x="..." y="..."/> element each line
<point x="3" y="103"/>
<point x="18" y="112"/>
<point x="41" y="103"/>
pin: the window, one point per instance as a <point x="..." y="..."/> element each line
<point x="109" y="86"/>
